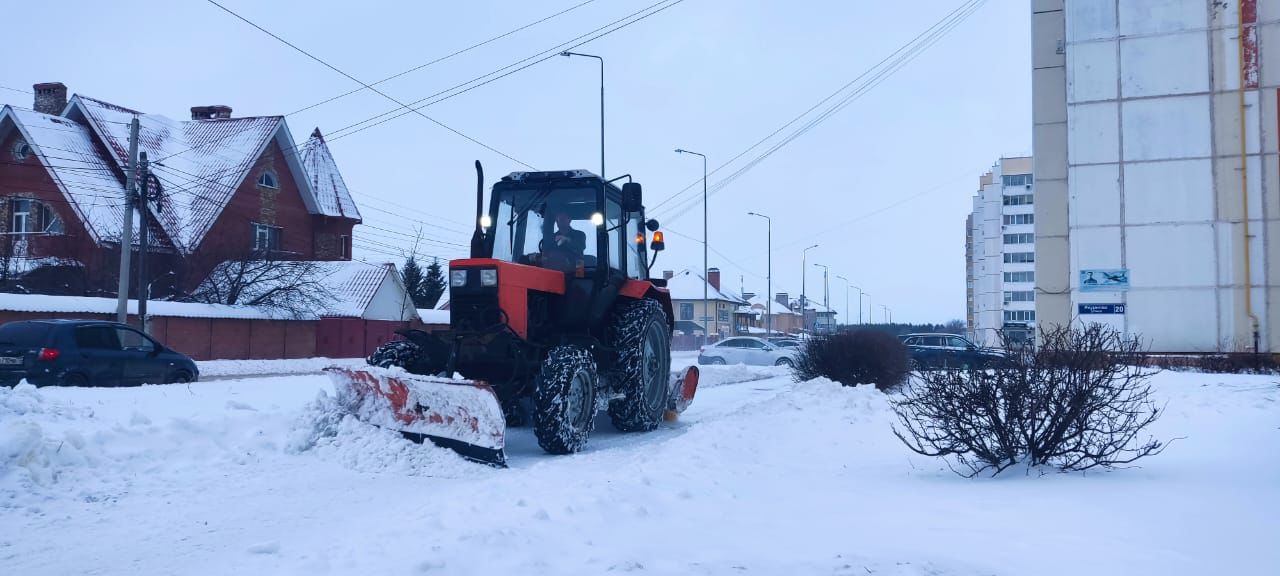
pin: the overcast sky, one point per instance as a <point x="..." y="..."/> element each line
<point x="883" y="185"/>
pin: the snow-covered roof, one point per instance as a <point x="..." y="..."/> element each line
<point x="761" y="303"/>
<point x="332" y="196"/>
<point x="92" y="305"/>
<point x="687" y="285"/>
<point x="430" y="316"/>
<point x="86" y="179"/>
<point x="347" y="286"/>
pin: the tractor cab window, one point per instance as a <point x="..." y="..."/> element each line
<point x="554" y="227"/>
<point x="634" y="240"/>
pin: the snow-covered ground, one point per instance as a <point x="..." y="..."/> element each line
<point x="229" y="368"/>
<point x="760" y="476"/>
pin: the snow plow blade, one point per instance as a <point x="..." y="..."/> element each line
<point x="461" y="415"/>
<point x="683" y="387"/>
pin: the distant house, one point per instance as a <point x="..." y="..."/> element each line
<point x="713" y="317"/>
<point x="227" y="187"/>
<point x="784" y="320"/>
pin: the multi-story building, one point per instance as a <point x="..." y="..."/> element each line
<point x="1155" y="136"/>
<point x="1000" y="244"/>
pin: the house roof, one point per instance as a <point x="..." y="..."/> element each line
<point x="687" y="285"/>
<point x="87" y="181"/>
<point x="349" y="286"/>
<point x="760" y="302"/>
<point x="332" y="196"/>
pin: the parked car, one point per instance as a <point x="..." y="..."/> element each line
<point x="949" y="351"/>
<point x="784" y="342"/>
<point x="747" y="350"/>
<point x="87" y="353"/>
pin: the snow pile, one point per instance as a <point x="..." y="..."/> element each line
<point x="328" y="431"/>
<point x="712" y="376"/>
<point x="30" y="455"/>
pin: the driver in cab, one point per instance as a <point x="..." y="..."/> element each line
<point x="565" y="248"/>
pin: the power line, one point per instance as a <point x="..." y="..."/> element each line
<point x="446" y="57"/>
<point x="896" y="60"/>
<point x="17" y="90"/>
<point x="368" y="86"/>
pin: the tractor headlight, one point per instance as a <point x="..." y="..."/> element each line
<point x="488" y="277"/>
<point x="458" y="278"/>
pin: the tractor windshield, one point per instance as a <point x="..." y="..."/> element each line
<point x="550" y="227"/>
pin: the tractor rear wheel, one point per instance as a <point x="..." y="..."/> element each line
<point x="564" y="400"/>
<point x="642" y="338"/>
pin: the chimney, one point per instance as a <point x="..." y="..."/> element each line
<point x="215" y="112"/>
<point x="668" y="274"/>
<point x="784" y="299"/>
<point x="713" y="277"/>
<point x="51" y="97"/>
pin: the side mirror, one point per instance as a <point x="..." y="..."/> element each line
<point x="652" y="225"/>
<point x="658" y="244"/>
<point x="632" y="197"/>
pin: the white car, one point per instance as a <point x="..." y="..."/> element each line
<point x="747" y="350"/>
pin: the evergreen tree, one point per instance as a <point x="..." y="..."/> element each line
<point x="433" y="285"/>
<point x="414" y="282"/>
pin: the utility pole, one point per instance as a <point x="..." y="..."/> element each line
<point x="768" y="301"/>
<point x="706" y="303"/>
<point x="804" y="284"/>
<point x="126" y="229"/>
<point x="825" y="305"/>
<point x="144" y="198"/>
<point x="847" y="318"/>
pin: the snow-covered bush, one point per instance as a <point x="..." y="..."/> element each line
<point x="853" y="357"/>
<point x="1077" y="401"/>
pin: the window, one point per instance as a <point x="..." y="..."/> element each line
<point x="723" y="315"/>
<point x="1012" y="219"/>
<point x="1020" y="276"/>
<point x="1018" y="199"/>
<point x="32" y="216"/>
<point x="1020" y="296"/>
<point x="686" y="311"/>
<point x="21" y="151"/>
<point x="268" y="179"/>
<point x="1019" y="315"/>
<point x="25" y="334"/>
<point x="265" y="237"/>
<point x="97" y="338"/>
<point x="957" y="342"/>
<point x="754" y="344"/>
<point x="130" y="340"/>
<point x="344" y="247"/>
<point x="1019" y="257"/>
<point x="732" y="343"/>
<point x="1024" y="238"/>
<point x="1017" y="180"/>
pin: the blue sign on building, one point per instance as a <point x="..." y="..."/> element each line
<point x="1108" y="280"/>
<point x="1100" y="308"/>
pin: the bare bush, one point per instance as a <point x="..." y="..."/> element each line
<point x="1079" y="400"/>
<point x="853" y="357"/>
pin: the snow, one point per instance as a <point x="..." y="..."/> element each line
<point x="330" y="191"/>
<point x="687" y="285"/>
<point x="94" y="305"/>
<point x="349" y="286"/>
<point x="768" y="476"/>
<point x="228" y="368"/>
<point x="429" y="316"/>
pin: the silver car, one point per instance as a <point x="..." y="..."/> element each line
<point x="747" y="350"/>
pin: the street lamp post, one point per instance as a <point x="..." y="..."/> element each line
<point x="826" y="305"/>
<point x="847" y="317"/>
<point x="768" y="297"/>
<point x="888" y="314"/>
<point x="568" y="54"/>
<point x="804" y="283"/>
<point x="859" y="303"/>
<point x="705" y="303"/>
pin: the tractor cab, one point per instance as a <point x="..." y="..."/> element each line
<point x="570" y="221"/>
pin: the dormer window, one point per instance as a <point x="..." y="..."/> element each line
<point x="268" y="180"/>
<point x="21" y="151"/>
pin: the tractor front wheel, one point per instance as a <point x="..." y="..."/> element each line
<point x="564" y="400"/>
<point x="401" y="354"/>
<point x="643" y="339"/>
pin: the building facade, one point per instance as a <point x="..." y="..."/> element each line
<point x="1000" y="244"/>
<point x="1155" y="130"/>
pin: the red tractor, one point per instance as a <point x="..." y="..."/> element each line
<point x="551" y="318"/>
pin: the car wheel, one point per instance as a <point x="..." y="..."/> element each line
<point x="715" y="361"/>
<point x="784" y="362"/>
<point x="180" y="377"/>
<point x="75" y="379"/>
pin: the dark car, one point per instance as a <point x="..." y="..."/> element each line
<point x="949" y="351"/>
<point x="87" y="353"/>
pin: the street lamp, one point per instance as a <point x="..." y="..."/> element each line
<point x="826" y="304"/>
<point x="860" y="303"/>
<point x="705" y="303"/>
<point x="847" y="317"/>
<point x="568" y="54"/>
<point x="804" y="282"/>
<point x="768" y="300"/>
<point x="888" y="313"/>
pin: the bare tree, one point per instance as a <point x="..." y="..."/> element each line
<point x="1078" y="401"/>
<point x="295" y="288"/>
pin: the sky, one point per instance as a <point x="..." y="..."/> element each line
<point x="882" y="186"/>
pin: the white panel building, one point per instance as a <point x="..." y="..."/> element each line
<point x="1158" y="181"/>
<point x="1001" y="250"/>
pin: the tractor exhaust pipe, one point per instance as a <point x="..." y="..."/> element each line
<point x="477" y="238"/>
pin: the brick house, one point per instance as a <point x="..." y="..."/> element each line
<point x="227" y="187"/>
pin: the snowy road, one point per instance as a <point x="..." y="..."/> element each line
<point x="763" y="476"/>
